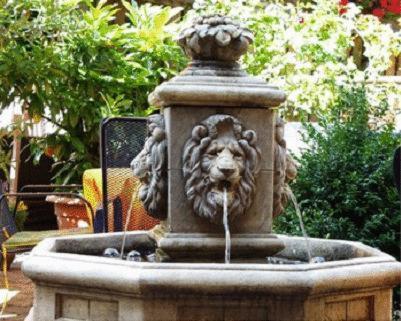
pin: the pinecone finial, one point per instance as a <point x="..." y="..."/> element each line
<point x="215" y="37"/>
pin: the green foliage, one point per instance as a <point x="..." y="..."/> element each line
<point x="20" y="218"/>
<point x="5" y="155"/>
<point x="345" y="184"/>
<point x="66" y="61"/>
<point x="305" y="49"/>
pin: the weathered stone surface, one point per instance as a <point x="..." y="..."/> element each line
<point x="213" y="85"/>
<point x="178" y="131"/>
<point x="210" y="247"/>
<point x="256" y="220"/>
<point x="215" y="37"/>
<point x="220" y="161"/>
<point x="356" y="284"/>
<point x="214" y="90"/>
<point x="181" y="218"/>
<point x="150" y="166"/>
<point x="284" y="169"/>
<point x="44" y="304"/>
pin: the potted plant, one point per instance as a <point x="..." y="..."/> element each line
<point x="70" y="212"/>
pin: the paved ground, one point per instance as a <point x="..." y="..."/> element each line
<point x="22" y="302"/>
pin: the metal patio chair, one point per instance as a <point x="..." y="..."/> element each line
<point x="14" y="241"/>
<point x="122" y="138"/>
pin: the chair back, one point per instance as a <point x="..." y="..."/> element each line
<point x="122" y="138"/>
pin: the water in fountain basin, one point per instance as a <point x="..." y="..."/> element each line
<point x="226" y="228"/>
<point x="301" y="223"/>
<point x="127" y="220"/>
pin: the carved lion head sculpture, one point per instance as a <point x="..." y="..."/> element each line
<point x="220" y="155"/>
<point x="150" y="166"/>
<point x="284" y="169"/>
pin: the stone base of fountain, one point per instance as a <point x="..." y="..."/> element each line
<point x="209" y="247"/>
<point x="74" y="282"/>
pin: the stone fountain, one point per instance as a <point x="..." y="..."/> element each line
<point x="217" y="144"/>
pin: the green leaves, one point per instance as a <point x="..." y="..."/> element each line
<point x="75" y="66"/>
<point x="5" y="156"/>
<point x="305" y="49"/>
<point x="345" y="184"/>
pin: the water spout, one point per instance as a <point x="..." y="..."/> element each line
<point x="226" y="228"/>
<point x="301" y="223"/>
<point x="128" y="219"/>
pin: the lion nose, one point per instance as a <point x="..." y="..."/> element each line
<point x="227" y="171"/>
<point x="226" y="167"/>
<point x="225" y="163"/>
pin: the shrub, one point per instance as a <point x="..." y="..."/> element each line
<point x="305" y="48"/>
<point x="67" y="62"/>
<point x="5" y="156"/>
<point x="345" y="183"/>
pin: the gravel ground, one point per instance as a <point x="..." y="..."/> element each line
<point x="22" y="302"/>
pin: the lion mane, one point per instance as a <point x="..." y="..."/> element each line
<point x="197" y="182"/>
<point x="284" y="170"/>
<point x="150" y="166"/>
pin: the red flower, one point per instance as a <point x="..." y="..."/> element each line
<point x="378" y="12"/>
<point x="394" y="7"/>
<point x="383" y="3"/>
<point x="342" y="5"/>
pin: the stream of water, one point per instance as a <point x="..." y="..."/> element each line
<point x="226" y="228"/>
<point x="127" y="220"/>
<point x="301" y="223"/>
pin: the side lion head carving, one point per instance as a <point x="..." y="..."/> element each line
<point x="220" y="155"/>
<point x="285" y="169"/>
<point x="150" y="166"/>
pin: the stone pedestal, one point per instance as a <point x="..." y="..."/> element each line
<point x="202" y="90"/>
<point x="213" y="159"/>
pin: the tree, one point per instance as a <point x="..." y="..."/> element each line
<point x="68" y="63"/>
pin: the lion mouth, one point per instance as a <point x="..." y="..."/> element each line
<point x="218" y="192"/>
<point x="224" y="185"/>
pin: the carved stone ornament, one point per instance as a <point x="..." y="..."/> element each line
<point x="285" y="170"/>
<point x="150" y="166"/>
<point x="220" y="154"/>
<point x="215" y="37"/>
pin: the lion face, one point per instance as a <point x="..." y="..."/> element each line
<point x="284" y="169"/>
<point x="224" y="161"/>
<point x="141" y="164"/>
<point x="220" y="156"/>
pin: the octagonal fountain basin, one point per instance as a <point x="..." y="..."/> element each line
<point x="75" y="283"/>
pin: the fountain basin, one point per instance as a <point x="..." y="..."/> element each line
<point x="74" y="283"/>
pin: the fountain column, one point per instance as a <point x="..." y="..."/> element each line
<point x="214" y="84"/>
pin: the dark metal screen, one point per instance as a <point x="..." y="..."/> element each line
<point x="7" y="223"/>
<point x="122" y="138"/>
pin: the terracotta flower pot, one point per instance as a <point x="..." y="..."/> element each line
<point x="69" y="212"/>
